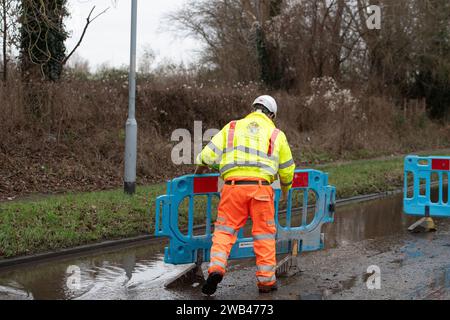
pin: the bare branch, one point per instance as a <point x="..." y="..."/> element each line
<point x="89" y="20"/>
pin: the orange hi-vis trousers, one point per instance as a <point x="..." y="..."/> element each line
<point x="238" y="202"/>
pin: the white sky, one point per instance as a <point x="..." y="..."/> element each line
<point x="108" y="38"/>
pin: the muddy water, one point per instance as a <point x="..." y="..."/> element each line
<point x="139" y="272"/>
<point x="369" y="220"/>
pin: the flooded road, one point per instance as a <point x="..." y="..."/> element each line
<point x="412" y="266"/>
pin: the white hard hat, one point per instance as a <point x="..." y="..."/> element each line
<point x="268" y="102"/>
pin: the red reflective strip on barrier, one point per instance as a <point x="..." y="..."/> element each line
<point x="206" y="185"/>
<point x="231" y="134"/>
<point x="273" y="139"/>
<point x="441" y="164"/>
<point x="301" y="180"/>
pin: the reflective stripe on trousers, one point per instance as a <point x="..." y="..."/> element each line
<point x="267" y="280"/>
<point x="265" y="265"/>
<point x="215" y="264"/>
<point x="223" y="235"/>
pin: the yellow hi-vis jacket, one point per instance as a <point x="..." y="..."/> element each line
<point x="252" y="147"/>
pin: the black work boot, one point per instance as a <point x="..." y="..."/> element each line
<point x="210" y="287"/>
<point x="268" y="289"/>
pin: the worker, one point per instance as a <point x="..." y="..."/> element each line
<point x="250" y="154"/>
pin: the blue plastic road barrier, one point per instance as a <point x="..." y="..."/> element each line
<point x="427" y="173"/>
<point x="186" y="246"/>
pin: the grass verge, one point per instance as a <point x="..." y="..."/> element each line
<point x="56" y="222"/>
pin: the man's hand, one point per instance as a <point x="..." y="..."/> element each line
<point x="201" y="170"/>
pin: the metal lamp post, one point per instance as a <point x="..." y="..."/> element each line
<point x="131" y="125"/>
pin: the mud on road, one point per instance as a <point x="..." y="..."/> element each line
<point x="412" y="266"/>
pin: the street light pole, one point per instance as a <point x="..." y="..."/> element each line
<point x="131" y="125"/>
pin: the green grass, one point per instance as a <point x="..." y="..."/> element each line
<point x="365" y="176"/>
<point x="362" y="177"/>
<point x="55" y="222"/>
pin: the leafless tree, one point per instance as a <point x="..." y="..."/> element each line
<point x="146" y="59"/>
<point x="43" y="34"/>
<point x="290" y="42"/>
<point x="8" y="19"/>
<point x="222" y="25"/>
<point x="293" y="40"/>
<point x="89" y="20"/>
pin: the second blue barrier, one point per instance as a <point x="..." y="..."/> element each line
<point x="426" y="186"/>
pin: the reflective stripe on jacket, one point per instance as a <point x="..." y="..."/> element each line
<point x="252" y="147"/>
